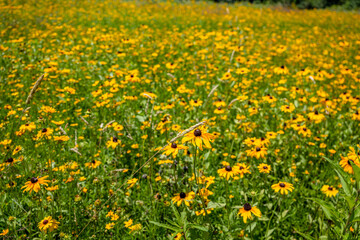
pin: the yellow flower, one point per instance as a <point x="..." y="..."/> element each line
<point x="4" y="232"/>
<point x="35" y="183"/>
<point x="288" y="108"/>
<point x="264" y="168"/>
<point x="242" y="169"/>
<point x="346" y="165"/>
<point x="283" y="187"/>
<point x="135" y="227"/>
<point x="183" y="197"/>
<point x="109" y="226"/>
<point x="198" y="137"/>
<point x="93" y="164"/>
<point x="202" y="212"/>
<point x="131" y="182"/>
<point x="48" y="223"/>
<point x="329" y="191"/>
<point x="113" y="143"/>
<point x="27" y="127"/>
<point x="173" y="149"/>
<point x="128" y="223"/>
<point x="228" y="172"/>
<point x="257" y="152"/>
<point x="44" y="133"/>
<point x="247" y="210"/>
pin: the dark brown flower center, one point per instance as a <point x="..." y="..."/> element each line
<point x="330" y="188"/>
<point x="93" y="161"/>
<point x="247" y="206"/>
<point x="34" y="180"/>
<point x="174" y="145"/>
<point x="265" y="167"/>
<point x="115" y="139"/>
<point x="197" y="133"/>
<point x="282" y="185"/>
<point x="45" y="222"/>
<point x="26" y="124"/>
<point x="241" y="168"/>
<point x="258" y="149"/>
<point x="228" y="168"/>
<point x="44" y="130"/>
<point x="10" y="160"/>
<point x="182" y="195"/>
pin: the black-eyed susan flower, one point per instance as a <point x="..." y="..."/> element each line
<point x="242" y="169"/>
<point x="329" y="191"/>
<point x="345" y="163"/>
<point x="264" y="168"/>
<point x="113" y="143"/>
<point x="45" y="133"/>
<point x="183" y="197"/>
<point x="283" y="187"/>
<point x="288" y="108"/>
<point x="257" y="152"/>
<point x="48" y="223"/>
<point x="93" y="164"/>
<point x="35" y="183"/>
<point x="173" y="149"/>
<point x="198" y="137"/>
<point x="228" y="172"/>
<point x="246" y="211"/>
<point x="196" y="103"/>
<point x="27" y="127"/>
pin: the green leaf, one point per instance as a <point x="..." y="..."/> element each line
<point x="175" y="229"/>
<point x="177" y="215"/>
<point x="350" y="200"/>
<point x="215" y="205"/>
<point x="344" y="179"/>
<point x="269" y="232"/>
<point x="172" y="222"/>
<point x="201" y="228"/>
<point x="356" y="220"/>
<point x="304" y="235"/>
<point x="344" y="183"/>
<point x="356" y="173"/>
<point x="328" y="209"/>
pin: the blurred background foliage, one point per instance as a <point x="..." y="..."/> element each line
<point x="304" y="4"/>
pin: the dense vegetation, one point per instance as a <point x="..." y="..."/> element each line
<point x="136" y="120"/>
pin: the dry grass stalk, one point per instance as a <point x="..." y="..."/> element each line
<point x="234" y="100"/>
<point x="62" y="130"/>
<point x="75" y="150"/>
<point x="144" y="94"/>
<point x="84" y="120"/>
<point x="212" y="91"/>
<point x="108" y="124"/>
<point x="170" y="75"/>
<point x="35" y="87"/>
<point x="186" y="131"/>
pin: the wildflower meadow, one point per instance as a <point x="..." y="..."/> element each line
<point x="178" y="120"/>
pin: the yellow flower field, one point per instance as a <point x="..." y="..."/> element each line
<point x="178" y="120"/>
